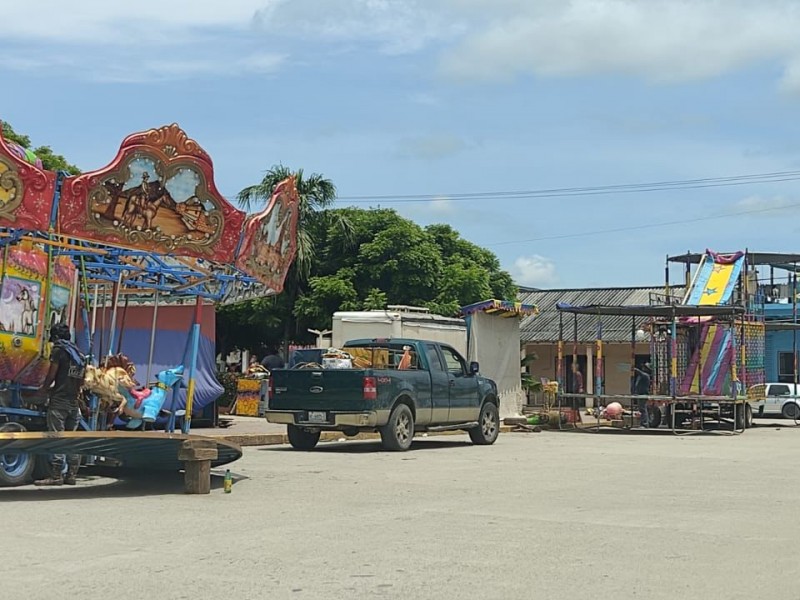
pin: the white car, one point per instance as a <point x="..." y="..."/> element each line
<point x="782" y="399"/>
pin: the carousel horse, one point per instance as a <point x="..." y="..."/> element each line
<point x="115" y="386"/>
<point x="110" y="386"/>
<point x="149" y="405"/>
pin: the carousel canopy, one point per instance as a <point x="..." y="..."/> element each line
<point x="152" y="219"/>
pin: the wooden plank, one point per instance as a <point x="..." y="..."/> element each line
<point x="197" y="478"/>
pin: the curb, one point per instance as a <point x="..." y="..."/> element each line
<point x="277" y="439"/>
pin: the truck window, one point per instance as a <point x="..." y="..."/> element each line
<point x="433" y="358"/>
<point x="778" y="390"/>
<point x="403" y="358"/>
<point x="455" y="364"/>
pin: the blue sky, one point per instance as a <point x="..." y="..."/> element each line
<point x="446" y="97"/>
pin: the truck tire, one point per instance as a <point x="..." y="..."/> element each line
<point x="485" y="434"/>
<point x="398" y="433"/>
<point x="790" y="410"/>
<point x="15" y="469"/>
<point x="300" y="439"/>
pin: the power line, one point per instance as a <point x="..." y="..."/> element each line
<point x="684" y="184"/>
<point x="646" y="225"/>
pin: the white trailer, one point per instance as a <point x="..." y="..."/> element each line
<point x="399" y="321"/>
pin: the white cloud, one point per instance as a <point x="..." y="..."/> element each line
<point x="767" y="205"/>
<point x="534" y="271"/>
<point x="661" y="41"/>
<point x="431" y="147"/>
<point x="657" y="40"/>
<point x="425" y="99"/>
<point x="395" y="26"/>
<point x="96" y="22"/>
<point x="152" y="40"/>
<point x="442" y="205"/>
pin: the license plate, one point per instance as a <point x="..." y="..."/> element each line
<point x="317" y="417"/>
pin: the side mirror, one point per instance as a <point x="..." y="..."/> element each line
<point x="474" y="368"/>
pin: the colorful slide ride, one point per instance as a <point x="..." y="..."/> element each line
<point x="708" y="370"/>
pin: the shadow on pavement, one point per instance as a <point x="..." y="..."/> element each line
<point x="370" y="446"/>
<point x="107" y="482"/>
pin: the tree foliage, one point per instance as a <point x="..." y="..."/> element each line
<point x="382" y="258"/>
<point x="50" y="160"/>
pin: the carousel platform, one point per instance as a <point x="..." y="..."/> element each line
<point x="155" y="451"/>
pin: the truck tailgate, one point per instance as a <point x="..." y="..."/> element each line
<point x="323" y="389"/>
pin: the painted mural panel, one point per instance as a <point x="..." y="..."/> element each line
<point x="270" y="238"/>
<point x="158" y="194"/>
<point x="26" y="189"/>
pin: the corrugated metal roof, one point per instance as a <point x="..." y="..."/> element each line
<point x="544" y="327"/>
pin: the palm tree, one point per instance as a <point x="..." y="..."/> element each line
<point x="316" y="195"/>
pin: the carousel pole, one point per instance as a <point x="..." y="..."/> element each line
<point x="85" y="310"/>
<point x="187" y="420"/>
<point x="152" y="339"/>
<point x="115" y="306"/>
<point x="94" y="313"/>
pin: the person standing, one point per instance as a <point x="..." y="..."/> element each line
<point x="272" y="360"/>
<point x="577" y="379"/>
<point x="63" y="384"/>
<point x="642" y="388"/>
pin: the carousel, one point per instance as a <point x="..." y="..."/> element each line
<point x="150" y="230"/>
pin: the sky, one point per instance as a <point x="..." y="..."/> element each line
<point x="450" y="97"/>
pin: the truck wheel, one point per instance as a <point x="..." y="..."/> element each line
<point x="398" y="433"/>
<point x="15" y="469"/>
<point x="300" y="439"/>
<point x="790" y="410"/>
<point x="487" y="431"/>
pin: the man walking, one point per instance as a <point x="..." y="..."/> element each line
<point x="67" y="369"/>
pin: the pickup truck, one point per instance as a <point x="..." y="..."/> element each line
<point x="397" y="387"/>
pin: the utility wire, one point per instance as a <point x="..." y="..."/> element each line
<point x="647" y="225"/>
<point x="706" y="182"/>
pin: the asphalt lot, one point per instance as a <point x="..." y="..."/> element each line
<point x="547" y="515"/>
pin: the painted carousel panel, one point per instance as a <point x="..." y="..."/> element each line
<point x="269" y="244"/>
<point x="159" y="195"/>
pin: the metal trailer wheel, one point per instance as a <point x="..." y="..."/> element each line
<point x="15" y="469"/>
<point x="654" y="416"/>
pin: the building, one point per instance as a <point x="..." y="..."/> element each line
<point x="782" y="339"/>
<point x="539" y="334"/>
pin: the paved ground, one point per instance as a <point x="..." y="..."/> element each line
<point x="549" y="515"/>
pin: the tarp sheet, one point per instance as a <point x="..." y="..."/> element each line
<point x="173" y="329"/>
<point x="494" y="343"/>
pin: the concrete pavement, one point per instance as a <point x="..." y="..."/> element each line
<point x="549" y="515"/>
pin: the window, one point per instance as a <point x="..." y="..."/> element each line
<point x="785" y="367"/>
<point x="398" y="353"/>
<point x="779" y="390"/>
<point x="433" y="358"/>
<point x="455" y="364"/>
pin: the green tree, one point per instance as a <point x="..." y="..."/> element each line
<point x="50" y="160"/>
<point x="316" y="195"/>
<point x="391" y="260"/>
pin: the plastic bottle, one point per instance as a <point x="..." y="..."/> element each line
<point x="228" y="483"/>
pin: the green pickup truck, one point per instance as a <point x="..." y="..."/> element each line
<point x="397" y="387"/>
